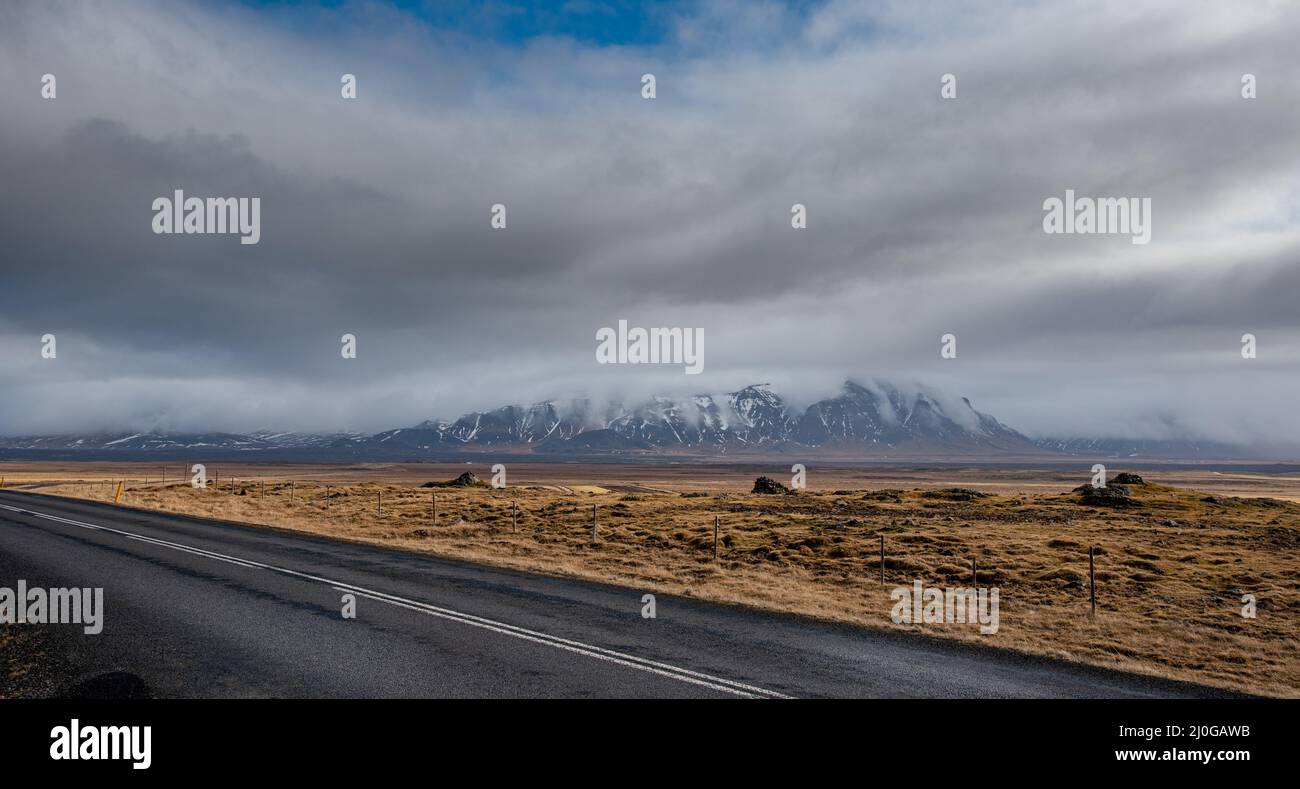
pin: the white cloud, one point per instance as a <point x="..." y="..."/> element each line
<point x="924" y="215"/>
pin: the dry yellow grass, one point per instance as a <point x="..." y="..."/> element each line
<point x="1170" y="573"/>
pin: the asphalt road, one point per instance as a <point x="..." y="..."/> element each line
<point x="195" y="608"/>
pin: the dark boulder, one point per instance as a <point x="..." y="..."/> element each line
<point x="768" y="485"/>
<point x="465" y="480"/>
<point x="1109" y="496"/>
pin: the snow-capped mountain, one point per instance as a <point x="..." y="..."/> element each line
<point x="866" y="421"/>
<point x="860" y="419"/>
<point x="753" y="419"/>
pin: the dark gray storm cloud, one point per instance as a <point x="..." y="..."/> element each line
<point x="925" y="215"/>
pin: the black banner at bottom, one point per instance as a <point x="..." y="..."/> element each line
<point x="335" y="738"/>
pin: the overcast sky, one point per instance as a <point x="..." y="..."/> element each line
<point x="924" y="214"/>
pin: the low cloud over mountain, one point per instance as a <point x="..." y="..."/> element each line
<point x="924" y="214"/>
<point x="871" y="421"/>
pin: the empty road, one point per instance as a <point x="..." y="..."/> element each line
<point x="195" y="608"/>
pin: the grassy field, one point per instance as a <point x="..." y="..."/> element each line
<point x="1171" y="570"/>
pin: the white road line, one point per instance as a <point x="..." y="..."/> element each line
<point x="578" y="647"/>
<point x="558" y="641"/>
<point x="140" y="537"/>
<point x="431" y="611"/>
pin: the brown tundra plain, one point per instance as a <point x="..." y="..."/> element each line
<point x="1177" y="552"/>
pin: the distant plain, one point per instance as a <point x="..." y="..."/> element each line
<point x="1171" y="568"/>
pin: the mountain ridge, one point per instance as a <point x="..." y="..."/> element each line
<point x="866" y="421"/>
<point x="754" y="418"/>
